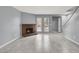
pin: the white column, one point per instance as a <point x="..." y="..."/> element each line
<point x="59" y="24"/>
<point x="50" y="24"/>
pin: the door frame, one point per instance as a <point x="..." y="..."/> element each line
<point x="42" y="23"/>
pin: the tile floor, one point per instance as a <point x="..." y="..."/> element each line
<point x="42" y="43"/>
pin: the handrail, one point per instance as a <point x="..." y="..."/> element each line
<point x="71" y="16"/>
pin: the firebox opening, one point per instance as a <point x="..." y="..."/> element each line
<point x="29" y="30"/>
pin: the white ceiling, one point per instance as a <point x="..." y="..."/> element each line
<point x="44" y="9"/>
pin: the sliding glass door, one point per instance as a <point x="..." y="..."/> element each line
<point x="42" y="24"/>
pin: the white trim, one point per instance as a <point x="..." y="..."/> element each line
<point x="8" y="43"/>
<point x="72" y="40"/>
<point x="59" y="25"/>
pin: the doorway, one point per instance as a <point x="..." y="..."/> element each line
<point x="43" y="24"/>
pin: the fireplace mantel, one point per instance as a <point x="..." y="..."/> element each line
<point x="28" y="29"/>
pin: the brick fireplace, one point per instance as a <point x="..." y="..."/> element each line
<point x="28" y="29"/>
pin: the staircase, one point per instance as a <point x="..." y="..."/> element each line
<point x="73" y="12"/>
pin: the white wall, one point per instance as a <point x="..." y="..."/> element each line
<point x="71" y="29"/>
<point x="27" y="18"/>
<point x="65" y="18"/>
<point x="9" y="24"/>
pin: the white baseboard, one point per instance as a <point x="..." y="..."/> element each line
<point x="8" y="42"/>
<point x="72" y="40"/>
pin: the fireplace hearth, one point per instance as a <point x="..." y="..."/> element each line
<point x="28" y="29"/>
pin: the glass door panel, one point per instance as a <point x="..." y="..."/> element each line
<point x="46" y="24"/>
<point x="39" y="24"/>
